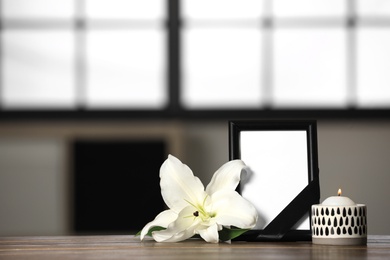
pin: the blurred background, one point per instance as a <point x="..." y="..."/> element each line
<point x="94" y="94"/>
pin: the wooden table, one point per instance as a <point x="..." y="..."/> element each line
<point x="129" y="247"/>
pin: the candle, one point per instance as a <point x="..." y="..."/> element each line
<point x="339" y="221"/>
<point x="338" y="200"/>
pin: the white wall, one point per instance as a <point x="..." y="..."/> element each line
<point x="356" y="157"/>
<point x="32" y="187"/>
<point x="353" y="155"/>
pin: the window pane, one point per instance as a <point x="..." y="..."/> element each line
<point x="126" y="69"/>
<point x="221" y="68"/>
<point x="125" y="9"/>
<point x="373" y="77"/>
<point x="38" y="69"/>
<point x="310" y="67"/>
<point x="308" y="8"/>
<point x="37" y="8"/>
<point x="373" y="7"/>
<point x="225" y="9"/>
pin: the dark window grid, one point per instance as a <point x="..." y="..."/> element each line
<point x="174" y="25"/>
<point x="351" y="53"/>
<point x="269" y="24"/>
<point x="80" y="80"/>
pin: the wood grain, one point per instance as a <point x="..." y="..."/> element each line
<point x="129" y="247"/>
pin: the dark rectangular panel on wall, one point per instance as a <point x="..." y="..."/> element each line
<point x="116" y="184"/>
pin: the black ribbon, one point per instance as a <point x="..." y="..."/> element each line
<point x="280" y="228"/>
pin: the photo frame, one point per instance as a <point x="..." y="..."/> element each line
<point x="282" y="177"/>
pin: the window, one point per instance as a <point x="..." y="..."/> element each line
<point x="88" y="54"/>
<point x="309" y="54"/>
<point x="185" y="58"/>
<point x="221" y="54"/>
<point x="373" y="53"/>
<point x="38" y="55"/>
<point x="125" y="54"/>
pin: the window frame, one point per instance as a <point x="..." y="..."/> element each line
<point x="174" y="110"/>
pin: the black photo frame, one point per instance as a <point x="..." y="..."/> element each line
<point x="282" y="178"/>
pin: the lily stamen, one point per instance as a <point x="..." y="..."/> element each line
<point x="200" y="208"/>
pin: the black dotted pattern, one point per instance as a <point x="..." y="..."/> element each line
<point x="339" y="221"/>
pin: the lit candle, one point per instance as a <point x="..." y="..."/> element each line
<point x="338" y="200"/>
<point x="339" y="221"/>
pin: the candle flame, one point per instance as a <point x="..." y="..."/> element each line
<point x="339" y="192"/>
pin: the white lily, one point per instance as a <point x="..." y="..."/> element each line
<point x="194" y="210"/>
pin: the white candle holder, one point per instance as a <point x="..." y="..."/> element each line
<point x="339" y="225"/>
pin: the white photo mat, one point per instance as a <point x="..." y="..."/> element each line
<point x="278" y="171"/>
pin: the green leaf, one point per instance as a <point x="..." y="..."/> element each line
<point x="229" y="233"/>
<point x="156" y="228"/>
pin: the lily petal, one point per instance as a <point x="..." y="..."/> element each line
<point x="233" y="210"/>
<point x="226" y="177"/>
<point x="210" y="234"/>
<point x="179" y="185"/>
<point x="163" y="220"/>
<point x="182" y="228"/>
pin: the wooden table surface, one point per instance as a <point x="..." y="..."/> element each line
<point x="129" y="247"/>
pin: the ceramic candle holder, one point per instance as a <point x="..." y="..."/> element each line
<point x="339" y="224"/>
